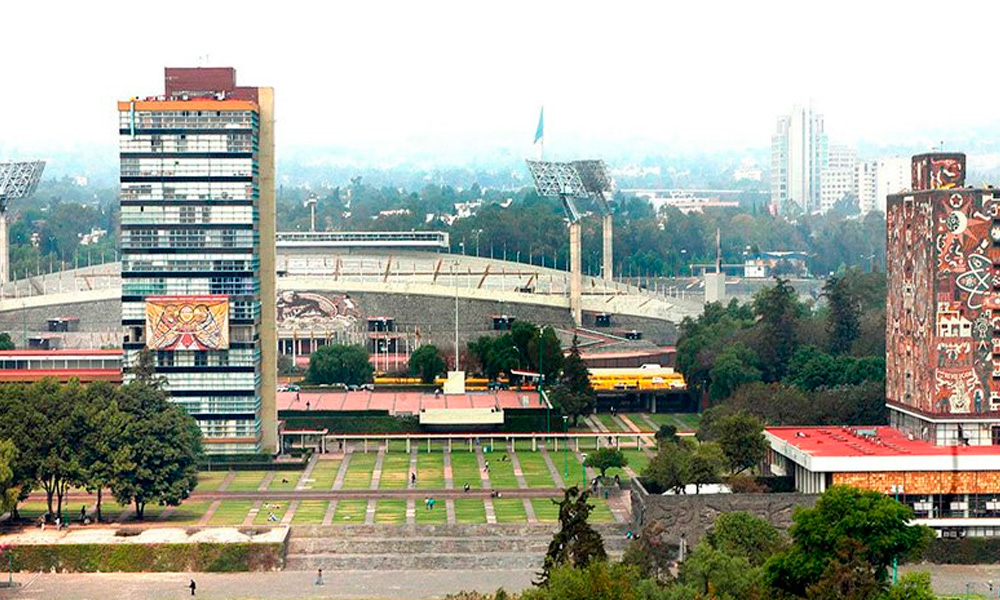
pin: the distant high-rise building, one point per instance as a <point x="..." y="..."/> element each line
<point x="197" y="242"/>
<point x="798" y="153"/>
<point x="837" y="176"/>
<point x="866" y="178"/>
<point x="892" y="176"/>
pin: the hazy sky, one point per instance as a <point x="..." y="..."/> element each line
<point x="415" y="75"/>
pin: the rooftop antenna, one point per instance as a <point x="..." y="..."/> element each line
<point x="17" y="180"/>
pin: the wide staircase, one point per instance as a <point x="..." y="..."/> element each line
<point x="415" y="547"/>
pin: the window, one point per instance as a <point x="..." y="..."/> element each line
<point x="201" y="359"/>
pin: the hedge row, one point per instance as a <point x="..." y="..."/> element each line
<point x="249" y="462"/>
<point x="161" y="558"/>
<point x="351" y="422"/>
<point x="964" y="551"/>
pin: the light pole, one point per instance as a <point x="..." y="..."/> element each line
<point x="583" y="471"/>
<point x="566" y="447"/>
<point x="897" y="490"/>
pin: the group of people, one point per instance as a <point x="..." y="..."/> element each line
<point x="429" y="503"/>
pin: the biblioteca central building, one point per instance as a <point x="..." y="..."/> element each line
<point x="941" y="452"/>
<point x="197" y="241"/>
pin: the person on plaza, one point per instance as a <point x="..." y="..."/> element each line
<point x="466" y="486"/>
<point x="431" y="503"/>
<point x="58" y="523"/>
<point x="83" y="512"/>
<point x="319" y="577"/>
<point x="413" y="479"/>
<point x="427" y="502"/>
<point x="193" y="586"/>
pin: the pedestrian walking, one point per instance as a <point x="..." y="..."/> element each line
<point x="319" y="577"/>
<point x="427" y="502"/>
<point x="193" y="586"/>
<point x="466" y="486"/>
<point x="431" y="504"/>
<point x="413" y="479"/>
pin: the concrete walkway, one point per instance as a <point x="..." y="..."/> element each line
<point x="338" y="482"/>
<point x="556" y="475"/>
<point x="307" y="473"/>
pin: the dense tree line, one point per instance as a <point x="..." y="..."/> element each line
<point x="789" y="362"/>
<point x="130" y="440"/>
<point x="831" y="551"/>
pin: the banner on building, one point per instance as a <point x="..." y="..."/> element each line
<point x="187" y="322"/>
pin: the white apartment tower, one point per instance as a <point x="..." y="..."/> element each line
<point x="798" y="154"/>
<point x="866" y="175"/>
<point x="838" y="177"/>
<point x="892" y="177"/>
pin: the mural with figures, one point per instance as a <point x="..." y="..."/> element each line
<point x="943" y="307"/>
<point x="310" y="311"/>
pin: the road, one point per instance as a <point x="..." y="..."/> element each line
<point x="283" y="585"/>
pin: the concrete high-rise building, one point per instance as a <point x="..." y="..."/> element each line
<point x="892" y="176"/>
<point x="866" y="178"/>
<point x="943" y="354"/>
<point x="798" y="154"/>
<point x="838" y="177"/>
<point x="198" y="228"/>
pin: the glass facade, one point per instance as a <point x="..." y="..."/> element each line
<point x="190" y="201"/>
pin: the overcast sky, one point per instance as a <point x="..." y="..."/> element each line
<point x="417" y="74"/>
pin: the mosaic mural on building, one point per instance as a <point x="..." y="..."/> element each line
<point x="187" y="322"/>
<point x="943" y="306"/>
<point x="309" y="311"/>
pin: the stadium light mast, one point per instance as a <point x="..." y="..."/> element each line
<point x="17" y="180"/>
<point x="601" y="187"/>
<point x="311" y="204"/>
<point x="570" y="182"/>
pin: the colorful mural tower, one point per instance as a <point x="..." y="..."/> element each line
<point x="943" y="306"/>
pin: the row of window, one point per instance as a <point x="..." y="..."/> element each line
<point x="188" y="215"/>
<point x="188" y="238"/>
<point x="160" y="286"/>
<point x="194" y="119"/>
<point x="209" y="142"/>
<point x="160" y="263"/>
<point x="236" y="357"/>
<point x="187" y="167"/>
<point x="190" y="190"/>
<point x="219" y="428"/>
<point x="61" y="363"/>
<point x="218" y="404"/>
<point x="212" y="381"/>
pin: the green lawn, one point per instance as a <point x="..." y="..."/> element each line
<point x="188" y="513"/>
<point x="284" y="481"/>
<point x="246" y="481"/>
<point x="430" y="471"/>
<point x="509" y="510"/>
<point x="350" y="511"/>
<point x="390" y="511"/>
<point x="545" y="510"/>
<point x="395" y="472"/>
<point x="209" y="481"/>
<point x="439" y="514"/>
<point x="269" y="507"/>
<point x="231" y="512"/>
<point x="469" y="510"/>
<point x="535" y="470"/>
<point x="359" y="471"/>
<point x="32" y="509"/>
<point x="608" y="421"/>
<point x="397" y="446"/>
<point x="310" y="512"/>
<point x="682" y="421"/>
<point x="323" y="475"/>
<point x="501" y="471"/>
<point x="640" y="422"/>
<point x="601" y="512"/>
<point x="637" y="461"/>
<point x="465" y="469"/>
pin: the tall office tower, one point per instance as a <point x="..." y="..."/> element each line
<point x="866" y="182"/>
<point x="198" y="220"/>
<point x="943" y="306"/>
<point x="838" y="177"/>
<point x="798" y="153"/>
<point x="892" y="176"/>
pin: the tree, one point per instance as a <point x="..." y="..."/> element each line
<point x="779" y="310"/>
<point x="604" y="459"/>
<point x="144" y="369"/>
<point x="720" y="575"/>
<point x="576" y="543"/>
<point x="574" y="396"/>
<point x="912" y="586"/>
<point x="60" y="444"/>
<point x="157" y="452"/>
<point x="734" y="366"/>
<point x="9" y="491"/>
<point x="746" y="535"/>
<point x="427" y="363"/>
<point x="670" y="469"/>
<point x="844" y="521"/>
<point x="741" y="438"/>
<point x="546" y="354"/>
<point x="651" y="552"/>
<point x="5" y="342"/>
<point x="844" y="320"/>
<point x="667" y="433"/>
<point x="100" y="424"/>
<point x="599" y="580"/>
<point x="705" y="464"/>
<point x="338" y="363"/>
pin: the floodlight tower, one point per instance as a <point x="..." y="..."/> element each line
<point x="311" y="203"/>
<point x="17" y="180"/>
<point x="599" y="184"/>
<point x="571" y="181"/>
